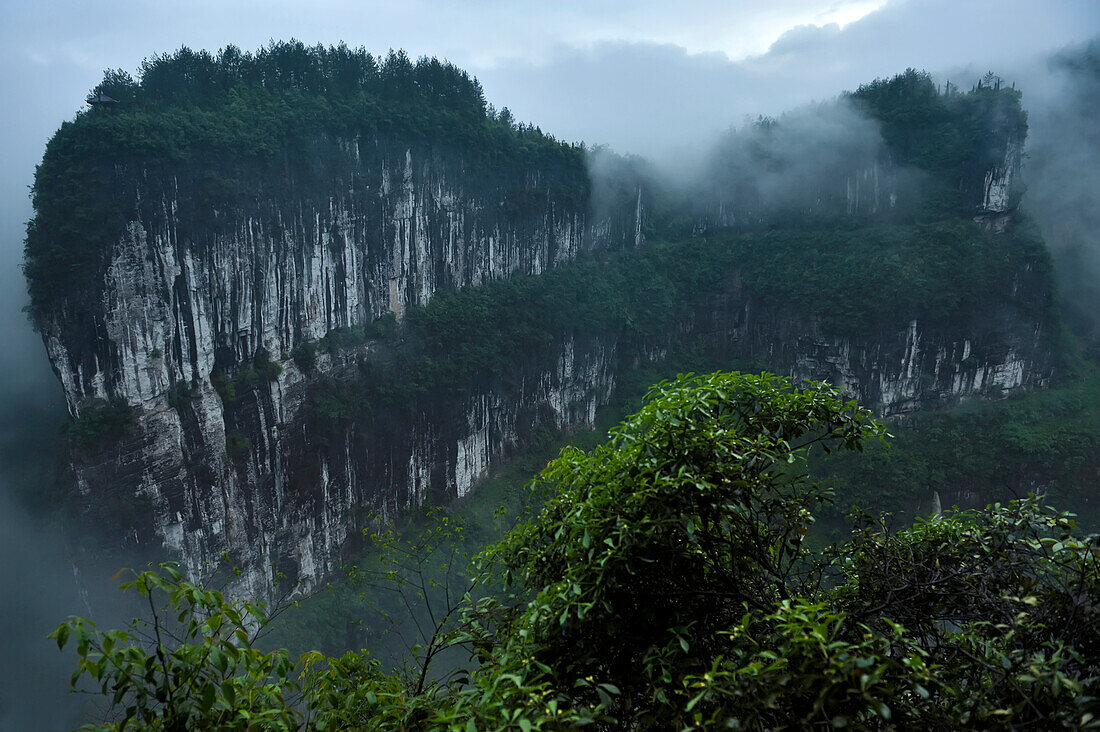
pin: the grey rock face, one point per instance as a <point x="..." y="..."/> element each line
<point x="897" y="371"/>
<point x="179" y="301"/>
<point x="391" y="229"/>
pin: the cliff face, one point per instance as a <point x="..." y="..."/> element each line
<point x="895" y="370"/>
<point x="181" y="302"/>
<point x="293" y="499"/>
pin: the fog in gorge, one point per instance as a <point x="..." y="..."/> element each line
<point x="36" y="570"/>
<point x="641" y="79"/>
<point x="1063" y="176"/>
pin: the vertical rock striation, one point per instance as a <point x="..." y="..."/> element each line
<point x="378" y="234"/>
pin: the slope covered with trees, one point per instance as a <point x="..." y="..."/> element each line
<point x="953" y="134"/>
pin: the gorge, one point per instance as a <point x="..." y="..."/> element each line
<point x="291" y="295"/>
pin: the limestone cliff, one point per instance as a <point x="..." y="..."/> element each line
<point x="199" y="303"/>
<point x="288" y="263"/>
<point x="181" y="302"/>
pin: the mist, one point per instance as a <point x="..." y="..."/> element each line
<point x="37" y="577"/>
<point x="39" y="583"/>
<point x="665" y="101"/>
<point x="1063" y="177"/>
<point x="789" y="166"/>
<point x="42" y="578"/>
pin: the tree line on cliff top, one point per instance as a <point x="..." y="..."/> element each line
<point x="219" y="121"/>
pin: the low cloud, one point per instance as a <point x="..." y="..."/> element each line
<point x="1062" y="171"/>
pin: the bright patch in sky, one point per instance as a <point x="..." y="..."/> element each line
<point x="843" y="14"/>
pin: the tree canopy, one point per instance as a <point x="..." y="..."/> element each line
<point x="674" y="581"/>
<point x="956" y="136"/>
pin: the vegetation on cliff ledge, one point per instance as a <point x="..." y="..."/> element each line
<point x="853" y="281"/>
<point x="953" y="134"/>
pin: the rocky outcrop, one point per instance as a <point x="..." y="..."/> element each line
<point x="1000" y="189"/>
<point x="900" y="370"/>
<point x="291" y="500"/>
<point x="182" y="301"/>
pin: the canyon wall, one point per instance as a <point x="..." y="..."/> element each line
<point x="201" y="305"/>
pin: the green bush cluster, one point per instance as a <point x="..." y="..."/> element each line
<point x="932" y="147"/>
<point x="855" y="280"/>
<point x="101" y="422"/>
<point x="224" y="386"/>
<point x="669" y="584"/>
<point x="340" y="339"/>
<point x="305" y="356"/>
<point x="265" y="368"/>
<point x="180" y="395"/>
<point x="237" y="446"/>
<point x="330" y="407"/>
<point x="230" y="384"/>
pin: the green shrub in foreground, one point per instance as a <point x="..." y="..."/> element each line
<point x="668" y="585"/>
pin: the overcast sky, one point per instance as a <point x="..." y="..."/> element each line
<point x="638" y="75"/>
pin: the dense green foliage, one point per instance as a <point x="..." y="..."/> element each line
<point x="347" y="611"/>
<point x="192" y="659"/>
<point x="850" y="280"/>
<point x="232" y="381"/>
<point x="1045" y="442"/>
<point x="352" y="610"/>
<point x="668" y="585"/>
<point x="855" y="280"/>
<point x="218" y="123"/>
<point x="954" y="134"/>
<point x="101" y="422"/>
